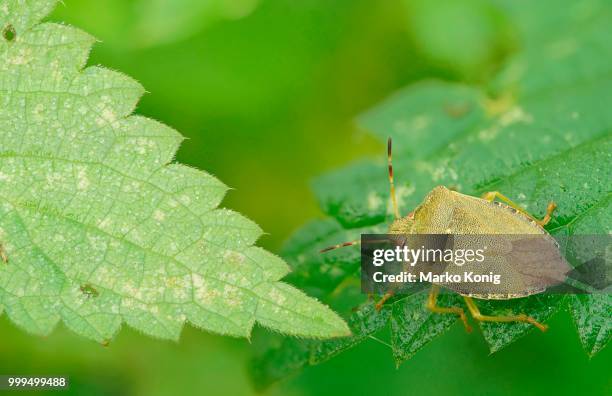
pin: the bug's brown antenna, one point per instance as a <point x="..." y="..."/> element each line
<point x="392" y="185"/>
<point x="340" y="245"/>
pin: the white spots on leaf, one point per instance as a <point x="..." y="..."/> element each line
<point x="159" y="215"/>
<point x="404" y="191"/>
<point x="401" y="193"/>
<point x="59" y="238"/>
<point x="277" y="298"/>
<point x="488" y="134"/>
<point x="420" y="122"/>
<point x="231" y="295"/>
<point x="514" y="115"/>
<point x="233" y="257"/>
<point x="107" y="116"/>
<point x="374" y="201"/>
<point x="83" y="182"/>
<point x="127" y="303"/>
<point x="130" y="290"/>
<point x="144" y="145"/>
<point x="412" y="126"/>
<point x="438" y="173"/>
<point x="97" y="243"/>
<point x="203" y="293"/>
<point x="569" y="137"/>
<point x="104" y="224"/>
<point x="132" y="186"/>
<point x="22" y="57"/>
<point x="38" y="112"/>
<point x="178" y="287"/>
<point x="198" y="281"/>
<point x="53" y="179"/>
<point x="4" y="177"/>
<point x="56" y="71"/>
<point x="137" y="236"/>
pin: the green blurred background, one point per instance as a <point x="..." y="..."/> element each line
<point x="267" y="92"/>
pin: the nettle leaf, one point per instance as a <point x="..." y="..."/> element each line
<point x="413" y="326"/>
<point x="449" y="109"/>
<point x="591" y="312"/>
<point x="499" y="335"/>
<point x="99" y="226"/>
<point x="539" y="132"/>
<point x="365" y="322"/>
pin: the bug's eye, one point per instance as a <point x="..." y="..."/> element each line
<point x="411" y="215"/>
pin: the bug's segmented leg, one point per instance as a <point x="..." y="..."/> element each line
<point x="431" y="305"/>
<point x="491" y="195"/>
<point x="501" y="318"/>
<point x="549" y="210"/>
<point x="383" y="300"/>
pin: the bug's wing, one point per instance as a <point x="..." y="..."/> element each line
<point x="525" y="256"/>
<point x="526" y="265"/>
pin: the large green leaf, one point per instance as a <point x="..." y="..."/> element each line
<point x="99" y="226"/>
<point x="539" y="131"/>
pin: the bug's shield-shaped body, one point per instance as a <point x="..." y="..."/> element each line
<point x="525" y="256"/>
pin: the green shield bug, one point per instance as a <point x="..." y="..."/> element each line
<point x="444" y="211"/>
